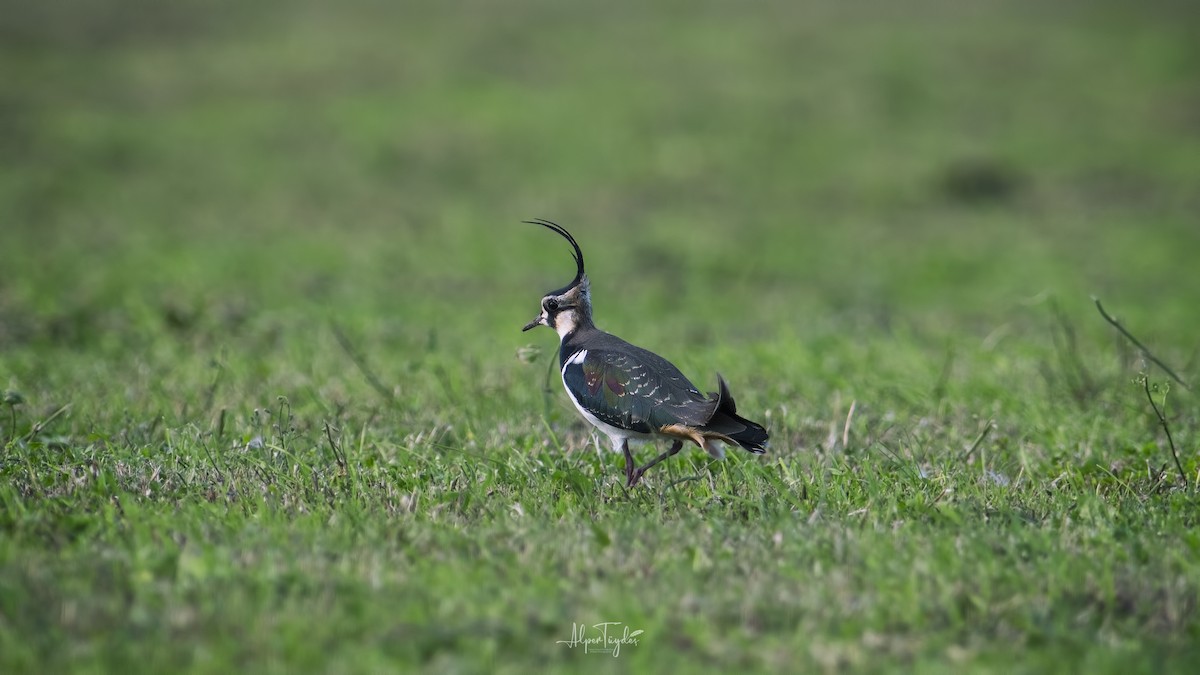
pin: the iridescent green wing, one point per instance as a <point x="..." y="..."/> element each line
<point x="634" y="390"/>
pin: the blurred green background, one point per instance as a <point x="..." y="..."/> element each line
<point x="758" y="166"/>
<point x="905" y="205"/>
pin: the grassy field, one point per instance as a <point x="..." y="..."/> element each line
<point x="267" y="407"/>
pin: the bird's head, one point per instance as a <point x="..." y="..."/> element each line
<point x="569" y="307"/>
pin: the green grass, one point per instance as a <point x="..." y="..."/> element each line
<point x="881" y="224"/>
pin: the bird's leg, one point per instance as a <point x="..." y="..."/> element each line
<point x="675" y="448"/>
<point x="629" y="479"/>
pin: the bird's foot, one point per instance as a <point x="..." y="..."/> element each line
<point x="632" y="476"/>
<point x="630" y="480"/>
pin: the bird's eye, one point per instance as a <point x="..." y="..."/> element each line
<point x="551" y="305"/>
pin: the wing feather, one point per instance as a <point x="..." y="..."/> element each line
<point x="635" y="389"/>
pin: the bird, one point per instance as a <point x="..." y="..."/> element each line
<point x="630" y="393"/>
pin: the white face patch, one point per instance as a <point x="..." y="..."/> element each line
<point x="568" y="310"/>
<point x="565" y="322"/>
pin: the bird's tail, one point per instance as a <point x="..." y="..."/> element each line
<point x="727" y="423"/>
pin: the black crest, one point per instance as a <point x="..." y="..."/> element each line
<point x="577" y="254"/>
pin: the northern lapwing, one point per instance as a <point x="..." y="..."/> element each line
<point x="630" y="393"/>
